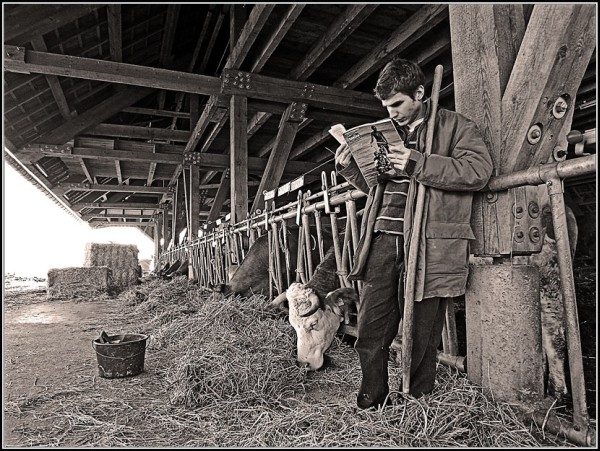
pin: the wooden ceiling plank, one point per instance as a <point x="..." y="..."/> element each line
<point x="87" y="187"/>
<point x="132" y="131"/>
<point x="406" y="34"/>
<point x="95" y="115"/>
<point x="39" y="45"/>
<point x="24" y="22"/>
<point x="156" y="112"/>
<point x="277" y="36"/>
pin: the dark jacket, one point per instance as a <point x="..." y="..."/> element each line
<point x="459" y="164"/>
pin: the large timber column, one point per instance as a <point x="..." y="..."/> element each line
<point x="179" y="210"/>
<point x="238" y="136"/>
<point x="194" y="210"/>
<point x="507" y="77"/>
<point x="166" y="226"/>
<point x="157" y="238"/>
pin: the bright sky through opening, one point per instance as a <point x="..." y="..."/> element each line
<point x="38" y="235"/>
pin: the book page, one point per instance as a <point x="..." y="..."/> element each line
<point x="369" y="145"/>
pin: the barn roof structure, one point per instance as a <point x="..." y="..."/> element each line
<point x="102" y="103"/>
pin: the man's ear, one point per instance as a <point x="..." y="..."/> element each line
<point x="419" y="92"/>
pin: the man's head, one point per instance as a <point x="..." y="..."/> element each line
<point x="400" y="88"/>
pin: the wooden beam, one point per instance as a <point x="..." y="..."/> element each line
<point x="22" y="23"/>
<point x="256" y="21"/>
<point x="211" y="42"/>
<point x="277" y="36"/>
<point x="475" y="50"/>
<point x="98" y="224"/>
<point x="118" y="171"/>
<point x="222" y="193"/>
<point x="17" y="59"/>
<point x="335" y="35"/>
<point x="194" y="202"/>
<point x="310" y="144"/>
<point x="39" y="45"/>
<point x="122" y="205"/>
<point x="206" y="160"/>
<point x="169" y="29"/>
<point x="239" y="158"/>
<point x="337" y="32"/>
<point x="88" y="216"/>
<point x="107" y="154"/>
<point x="131" y="131"/>
<point x="556" y="50"/>
<point x="480" y="58"/>
<point x="86" y="171"/>
<point x="279" y="90"/>
<point x="409" y="32"/>
<point x="89" y="187"/>
<point x="115" y="32"/>
<point x="151" y="173"/>
<point x="166" y="48"/>
<point x="288" y="126"/>
<point x="264" y="150"/>
<point x="107" y="108"/>
<point x="156" y="112"/>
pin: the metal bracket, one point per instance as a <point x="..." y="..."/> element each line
<point x="14" y="58"/>
<point x="190" y="158"/>
<point x="297" y="112"/>
<point x="307" y="91"/>
<point x="235" y="81"/>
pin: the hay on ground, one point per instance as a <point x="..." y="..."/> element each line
<point x="221" y="372"/>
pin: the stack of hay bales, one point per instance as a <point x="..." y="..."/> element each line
<point x="122" y="259"/>
<point x="68" y="283"/>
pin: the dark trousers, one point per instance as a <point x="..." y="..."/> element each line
<point x="380" y="311"/>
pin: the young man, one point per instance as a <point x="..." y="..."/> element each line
<point x="459" y="164"/>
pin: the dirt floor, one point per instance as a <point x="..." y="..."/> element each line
<point x="48" y="355"/>
<point x="53" y="395"/>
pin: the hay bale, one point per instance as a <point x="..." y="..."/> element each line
<point x="122" y="259"/>
<point x="78" y="282"/>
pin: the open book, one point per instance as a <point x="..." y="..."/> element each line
<point x="369" y="145"/>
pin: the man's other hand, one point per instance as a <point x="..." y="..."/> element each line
<point x="343" y="155"/>
<point x="398" y="156"/>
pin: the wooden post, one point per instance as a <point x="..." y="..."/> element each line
<point x="239" y="157"/>
<point x="157" y="238"/>
<point x="507" y="79"/>
<point x="166" y="227"/>
<point x="179" y="216"/>
<point x="194" y="209"/>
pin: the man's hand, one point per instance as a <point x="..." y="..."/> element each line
<point x="398" y="156"/>
<point x="343" y="155"/>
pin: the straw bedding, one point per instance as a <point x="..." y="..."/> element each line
<point x="222" y="372"/>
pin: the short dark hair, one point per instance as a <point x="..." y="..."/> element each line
<point x="399" y="75"/>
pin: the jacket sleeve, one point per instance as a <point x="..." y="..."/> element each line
<point x="467" y="168"/>
<point x="354" y="176"/>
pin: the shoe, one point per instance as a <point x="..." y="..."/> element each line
<point x="365" y="401"/>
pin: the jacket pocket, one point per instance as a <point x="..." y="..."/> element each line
<point x="447" y="250"/>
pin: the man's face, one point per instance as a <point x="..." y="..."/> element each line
<point x="403" y="108"/>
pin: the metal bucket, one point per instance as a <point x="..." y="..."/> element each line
<point x="122" y="359"/>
